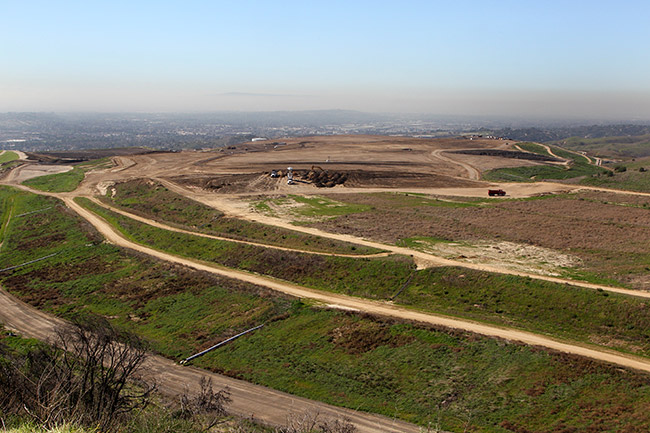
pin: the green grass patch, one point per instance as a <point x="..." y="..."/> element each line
<point x="58" y="182"/>
<point x="317" y="206"/>
<point x="7" y="211"/>
<point x="540" y="172"/>
<point x="631" y="176"/>
<point x="534" y="148"/>
<point x="307" y="208"/>
<point x="163" y="301"/>
<point x="429" y="377"/>
<point x="153" y="200"/>
<point x="8" y="156"/>
<point x="598" y="317"/>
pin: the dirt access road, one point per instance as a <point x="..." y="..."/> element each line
<point x="473" y="174"/>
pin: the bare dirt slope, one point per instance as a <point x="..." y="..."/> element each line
<point x="29" y="171"/>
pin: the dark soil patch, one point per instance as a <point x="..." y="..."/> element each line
<point x="224" y="183"/>
<point x="41" y="242"/>
<point x="398" y="178"/>
<point x="159" y="279"/>
<point x="75" y="156"/>
<point x="45" y="296"/>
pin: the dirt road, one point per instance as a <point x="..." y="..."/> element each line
<point x="251" y="399"/>
<point x="473" y="174"/>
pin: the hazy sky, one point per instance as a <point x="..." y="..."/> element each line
<point x="525" y="57"/>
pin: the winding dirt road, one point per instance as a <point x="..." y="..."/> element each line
<point x="268" y="405"/>
<point x="472" y="173"/>
<point x="271" y="406"/>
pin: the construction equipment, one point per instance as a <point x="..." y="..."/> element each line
<point x="289" y="176"/>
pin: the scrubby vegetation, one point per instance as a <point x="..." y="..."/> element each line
<point x="625" y="146"/>
<point x="435" y="377"/>
<point x="599" y="317"/>
<point x="628" y="174"/>
<point x="85" y="383"/>
<point x="88" y="377"/>
<point x="608" y="232"/>
<point x="631" y="175"/>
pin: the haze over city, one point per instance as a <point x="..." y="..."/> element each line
<point x="542" y="60"/>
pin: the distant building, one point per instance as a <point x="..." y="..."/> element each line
<point x="259" y="139"/>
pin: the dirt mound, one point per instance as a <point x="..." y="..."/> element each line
<point x="260" y="182"/>
<point x="229" y="183"/>
<point x="324" y="178"/>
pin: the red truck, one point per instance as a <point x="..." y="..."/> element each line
<point x="492" y="192"/>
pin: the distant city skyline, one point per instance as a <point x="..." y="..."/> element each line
<point x="507" y="58"/>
